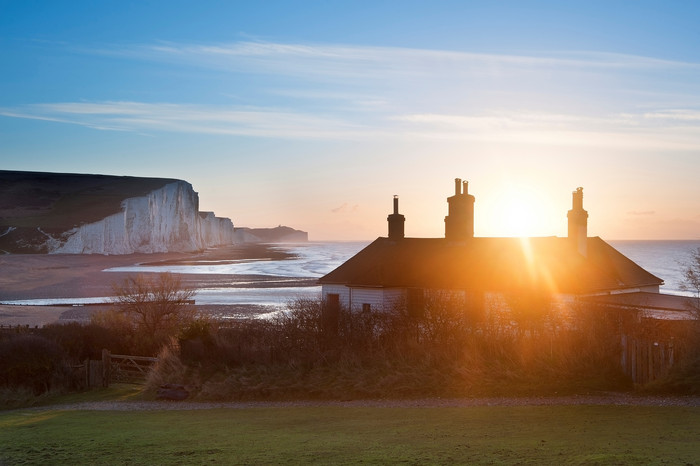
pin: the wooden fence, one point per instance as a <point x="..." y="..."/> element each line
<point x="17" y="328"/>
<point x="645" y="361"/>
<point x="116" y="368"/>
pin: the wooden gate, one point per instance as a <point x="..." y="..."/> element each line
<point x="122" y="368"/>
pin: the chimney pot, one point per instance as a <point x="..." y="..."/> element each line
<point x="396" y="222"/>
<point x="578" y="223"/>
<point x="459" y="223"/>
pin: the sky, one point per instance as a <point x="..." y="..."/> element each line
<point x="314" y="114"/>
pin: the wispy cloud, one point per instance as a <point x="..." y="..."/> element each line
<point x="628" y="130"/>
<point x="329" y="91"/>
<point x="641" y="213"/>
<point x="675" y="115"/>
<point x="617" y="131"/>
<point x="345" y="208"/>
<point x="147" y="117"/>
<point x="370" y="61"/>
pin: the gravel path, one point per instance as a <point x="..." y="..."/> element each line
<point x="610" y="399"/>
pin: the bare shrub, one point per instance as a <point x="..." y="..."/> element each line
<point x="444" y="319"/>
<point x="691" y="283"/>
<point x="591" y="348"/>
<point x="33" y="362"/>
<point x="531" y="310"/>
<point x="149" y="311"/>
<point x="691" y="280"/>
<point x="684" y="376"/>
<point x="296" y="332"/>
<point x="83" y="341"/>
<point x="440" y="351"/>
<point x="122" y="327"/>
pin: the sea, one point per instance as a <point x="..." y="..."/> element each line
<point x="665" y="259"/>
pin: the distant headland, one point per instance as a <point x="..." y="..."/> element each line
<point x="279" y="234"/>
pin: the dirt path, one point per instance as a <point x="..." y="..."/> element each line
<point x="610" y="399"/>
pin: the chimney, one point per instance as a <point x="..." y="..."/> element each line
<point x="578" y="223"/>
<point x="396" y="222"/>
<point x="459" y="223"/>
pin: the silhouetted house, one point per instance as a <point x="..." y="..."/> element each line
<point x="396" y="269"/>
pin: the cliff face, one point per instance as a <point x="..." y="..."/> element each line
<point x="215" y="230"/>
<point x="163" y="219"/>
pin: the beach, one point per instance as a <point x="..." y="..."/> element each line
<point x="71" y="276"/>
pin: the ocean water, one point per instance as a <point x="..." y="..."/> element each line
<point x="665" y="259"/>
<point x="313" y="259"/>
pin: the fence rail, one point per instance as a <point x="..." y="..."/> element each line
<point x="115" y="368"/>
<point x="17" y="328"/>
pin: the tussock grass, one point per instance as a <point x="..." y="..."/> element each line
<point x="168" y="369"/>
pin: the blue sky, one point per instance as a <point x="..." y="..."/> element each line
<point x="313" y="114"/>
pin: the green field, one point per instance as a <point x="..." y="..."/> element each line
<point x="344" y="435"/>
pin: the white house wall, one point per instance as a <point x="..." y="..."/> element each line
<point x="354" y="297"/>
<point x="341" y="290"/>
<point x="385" y="298"/>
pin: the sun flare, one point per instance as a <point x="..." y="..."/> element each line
<point x="520" y="212"/>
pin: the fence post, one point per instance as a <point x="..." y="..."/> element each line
<point x="87" y="373"/>
<point x="106" y="367"/>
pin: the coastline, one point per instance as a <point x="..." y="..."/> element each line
<point x="236" y="281"/>
<point x="55" y="276"/>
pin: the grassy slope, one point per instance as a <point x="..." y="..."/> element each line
<point x="337" y="435"/>
<point x="59" y="201"/>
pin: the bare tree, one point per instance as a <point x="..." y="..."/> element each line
<point x="691" y="281"/>
<point x="157" y="307"/>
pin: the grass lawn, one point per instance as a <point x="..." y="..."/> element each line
<point x="339" y="435"/>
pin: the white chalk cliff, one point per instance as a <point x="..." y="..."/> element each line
<point x="164" y="220"/>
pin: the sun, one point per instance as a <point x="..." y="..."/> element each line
<point x="519" y="212"/>
<point x="517" y="218"/>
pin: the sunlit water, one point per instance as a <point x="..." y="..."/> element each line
<point x="665" y="259"/>
<point x="313" y="260"/>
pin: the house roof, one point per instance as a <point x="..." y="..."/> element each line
<point x="491" y="264"/>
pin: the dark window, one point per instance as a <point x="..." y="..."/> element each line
<point x="366" y="307"/>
